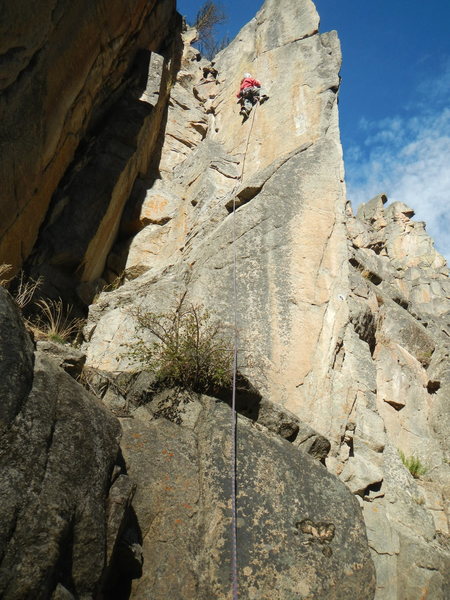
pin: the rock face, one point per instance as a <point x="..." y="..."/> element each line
<point x="60" y="519"/>
<point x="62" y="68"/>
<point x="399" y="308"/>
<point x="343" y="324"/>
<point x="293" y="224"/>
<point x="342" y="320"/>
<point x="297" y="531"/>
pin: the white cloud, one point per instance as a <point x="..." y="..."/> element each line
<point x="437" y="90"/>
<point x="408" y="159"/>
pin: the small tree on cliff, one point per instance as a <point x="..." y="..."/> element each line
<point x="186" y="348"/>
<point x="208" y="17"/>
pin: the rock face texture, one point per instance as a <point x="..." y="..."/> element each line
<point x="60" y="515"/>
<point x="63" y="66"/>
<point x="399" y="308"/>
<point x="342" y="319"/>
<point x="297" y="531"/>
<point x="291" y="235"/>
<point x="343" y="325"/>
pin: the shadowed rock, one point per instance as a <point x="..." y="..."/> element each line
<point x="183" y="506"/>
<point x="59" y="446"/>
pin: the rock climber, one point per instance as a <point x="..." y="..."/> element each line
<point x="249" y="93"/>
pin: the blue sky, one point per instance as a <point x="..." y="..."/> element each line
<point x="394" y="98"/>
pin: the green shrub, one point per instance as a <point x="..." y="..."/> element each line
<point x="413" y="464"/>
<point x="191" y="349"/>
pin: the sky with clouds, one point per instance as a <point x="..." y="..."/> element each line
<point x="394" y="99"/>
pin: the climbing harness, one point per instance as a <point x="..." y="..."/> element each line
<point x="234" y="569"/>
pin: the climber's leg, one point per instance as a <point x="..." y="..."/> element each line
<point x="246" y="105"/>
<point x="244" y="109"/>
<point x="262" y="96"/>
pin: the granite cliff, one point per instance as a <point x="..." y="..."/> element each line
<point x="343" y="321"/>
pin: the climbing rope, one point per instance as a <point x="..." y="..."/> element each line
<point x="234" y="568"/>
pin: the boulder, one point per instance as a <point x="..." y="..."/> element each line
<point x="59" y="446"/>
<point x="67" y="357"/>
<point x="300" y="532"/>
<point x="16" y="361"/>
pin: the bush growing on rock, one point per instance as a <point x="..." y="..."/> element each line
<point x="186" y="348"/>
<point x="413" y="464"/>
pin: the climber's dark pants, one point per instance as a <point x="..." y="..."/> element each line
<point x="249" y="97"/>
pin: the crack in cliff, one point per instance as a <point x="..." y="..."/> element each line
<point x="227" y="175"/>
<point x="300" y="39"/>
<point x="380" y="553"/>
<point x="26" y="68"/>
<point x="324" y="251"/>
<point x="183" y="141"/>
<point x="256" y="183"/>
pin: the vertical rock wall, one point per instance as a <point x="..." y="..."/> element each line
<point x="343" y="320"/>
<point x="62" y="64"/>
<point x="390" y="385"/>
<point x="291" y="237"/>
<point x="340" y="318"/>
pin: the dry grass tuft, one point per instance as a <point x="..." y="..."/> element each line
<point x="25" y="290"/>
<point x="54" y="322"/>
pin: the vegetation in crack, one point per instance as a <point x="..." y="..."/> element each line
<point x="413" y="464"/>
<point x="53" y="321"/>
<point x="185" y="347"/>
<point x="45" y="318"/>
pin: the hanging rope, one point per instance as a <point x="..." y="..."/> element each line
<point x="234" y="568"/>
